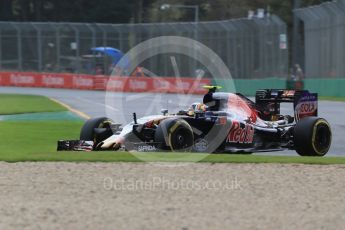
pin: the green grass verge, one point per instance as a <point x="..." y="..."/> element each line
<point x="36" y="141"/>
<point x="25" y="140"/>
<point x="19" y="104"/>
<point x="332" y="98"/>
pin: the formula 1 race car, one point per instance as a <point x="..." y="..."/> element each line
<point x="223" y="123"/>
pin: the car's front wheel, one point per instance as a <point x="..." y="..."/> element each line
<point x="96" y="130"/>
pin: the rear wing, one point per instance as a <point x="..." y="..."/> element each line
<point x="305" y="104"/>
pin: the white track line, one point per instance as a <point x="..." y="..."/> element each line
<point x="97" y="103"/>
<point x="79" y="113"/>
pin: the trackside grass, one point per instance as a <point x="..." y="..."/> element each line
<point x="341" y="99"/>
<point x="26" y="139"/>
<point x="19" y="104"/>
<point x="22" y="141"/>
<point x="36" y="141"/>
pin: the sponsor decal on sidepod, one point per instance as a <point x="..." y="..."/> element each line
<point x="240" y="135"/>
<point x="146" y="148"/>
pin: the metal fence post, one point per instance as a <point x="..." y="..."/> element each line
<point x="296" y="48"/>
<point x="58" y="47"/>
<point x="19" y="46"/>
<point x="0" y="48"/>
<point x="77" y="41"/>
<point x="104" y="35"/>
<point x="39" y="46"/>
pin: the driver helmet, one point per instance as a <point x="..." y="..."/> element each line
<point x="196" y="108"/>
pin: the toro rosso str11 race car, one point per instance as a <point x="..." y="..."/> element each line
<point x="223" y="123"/>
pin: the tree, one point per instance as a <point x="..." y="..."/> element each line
<point x="125" y="11"/>
<point x="104" y="11"/>
<point x="6" y="10"/>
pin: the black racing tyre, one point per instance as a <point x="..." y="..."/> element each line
<point x="312" y="137"/>
<point x="89" y="130"/>
<point x="175" y="135"/>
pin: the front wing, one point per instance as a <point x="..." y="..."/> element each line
<point x="75" y="145"/>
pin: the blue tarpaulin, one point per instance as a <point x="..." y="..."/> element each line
<point x="115" y="54"/>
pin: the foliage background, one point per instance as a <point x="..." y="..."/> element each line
<point x="136" y="11"/>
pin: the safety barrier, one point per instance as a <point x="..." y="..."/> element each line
<point x="100" y="82"/>
<point x="326" y="87"/>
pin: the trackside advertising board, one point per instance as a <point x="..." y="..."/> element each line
<point x="101" y="82"/>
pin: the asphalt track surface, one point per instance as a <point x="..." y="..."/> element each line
<point x="120" y="106"/>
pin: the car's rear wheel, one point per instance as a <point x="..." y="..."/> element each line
<point x="175" y="135"/>
<point x="312" y="137"/>
<point x="96" y="130"/>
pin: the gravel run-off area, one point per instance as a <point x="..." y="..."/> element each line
<point x="167" y="196"/>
